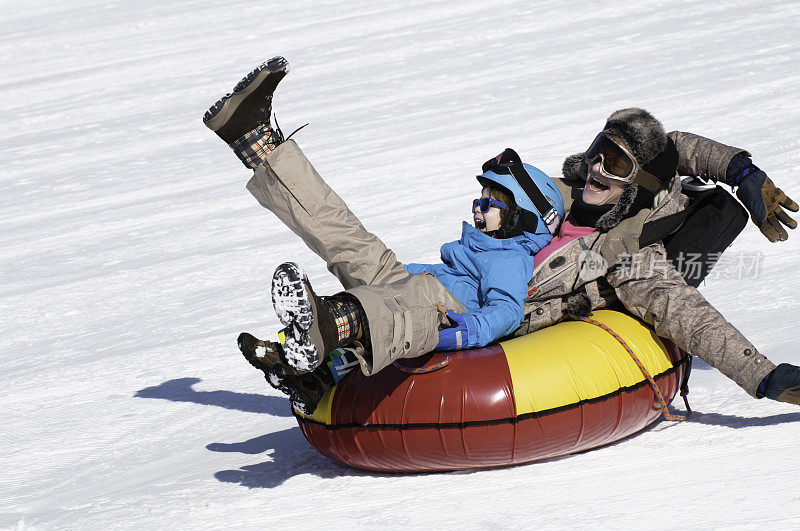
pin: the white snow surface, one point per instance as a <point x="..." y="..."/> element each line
<point x="131" y="254"/>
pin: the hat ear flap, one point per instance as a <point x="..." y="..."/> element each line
<point x="665" y="164"/>
<point x="575" y="168"/>
<point x="510" y="226"/>
<point x="620" y="210"/>
<point x="519" y="220"/>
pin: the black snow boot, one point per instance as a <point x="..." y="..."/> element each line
<point x="304" y="390"/>
<point x="783" y="384"/>
<point x="250" y="103"/>
<point x="315" y="326"/>
<point x="242" y="117"/>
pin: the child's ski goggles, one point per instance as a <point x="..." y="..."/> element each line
<point x="617" y="163"/>
<point x="485" y="203"/>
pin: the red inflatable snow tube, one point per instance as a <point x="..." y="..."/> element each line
<point x="563" y="389"/>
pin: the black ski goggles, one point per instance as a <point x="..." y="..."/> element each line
<point x="485" y="203"/>
<point x="618" y="163"/>
<point x="509" y="163"/>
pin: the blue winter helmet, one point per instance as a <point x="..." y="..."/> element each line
<point x="536" y="195"/>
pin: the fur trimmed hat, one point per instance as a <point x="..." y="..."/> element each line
<point x="641" y="132"/>
<point x="654" y="150"/>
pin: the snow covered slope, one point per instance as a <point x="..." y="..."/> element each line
<point x="131" y="255"/>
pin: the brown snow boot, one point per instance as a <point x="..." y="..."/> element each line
<point x="260" y="354"/>
<point x="304" y="390"/>
<point x="315" y="326"/>
<point x="250" y="103"/>
<point x="242" y="117"/>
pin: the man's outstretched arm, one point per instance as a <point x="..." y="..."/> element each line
<point x="713" y="160"/>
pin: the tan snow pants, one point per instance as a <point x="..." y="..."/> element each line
<point x="401" y="308"/>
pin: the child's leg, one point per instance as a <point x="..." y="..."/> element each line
<point x="403" y="318"/>
<point x="287" y="184"/>
<point x="290" y="187"/>
<point x="397" y="320"/>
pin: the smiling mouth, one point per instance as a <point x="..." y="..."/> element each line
<point x="479" y="223"/>
<point x="596" y="185"/>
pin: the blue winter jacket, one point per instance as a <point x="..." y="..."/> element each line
<point x="489" y="277"/>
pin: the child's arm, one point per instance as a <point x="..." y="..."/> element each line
<point x="503" y="290"/>
<point x="423" y="268"/>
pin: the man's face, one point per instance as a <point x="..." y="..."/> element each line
<point x="486" y="221"/>
<point x="599" y="189"/>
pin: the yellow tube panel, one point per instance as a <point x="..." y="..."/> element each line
<point x="574" y="361"/>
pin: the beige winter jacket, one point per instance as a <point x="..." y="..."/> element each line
<point x="648" y="285"/>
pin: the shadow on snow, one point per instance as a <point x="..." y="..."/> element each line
<point x="735" y="421"/>
<point x="180" y="390"/>
<point x="291" y="456"/>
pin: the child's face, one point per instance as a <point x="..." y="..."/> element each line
<point x="486" y="221"/>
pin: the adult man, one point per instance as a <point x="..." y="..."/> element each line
<point x="624" y="181"/>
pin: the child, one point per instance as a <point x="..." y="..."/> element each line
<point x="388" y="310"/>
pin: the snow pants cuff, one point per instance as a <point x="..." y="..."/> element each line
<point x="403" y="318"/>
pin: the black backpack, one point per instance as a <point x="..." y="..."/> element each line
<point x="696" y="236"/>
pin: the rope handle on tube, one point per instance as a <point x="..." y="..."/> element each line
<point x="425" y="369"/>
<point x="645" y="372"/>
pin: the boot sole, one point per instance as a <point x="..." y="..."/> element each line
<point x="271" y="72"/>
<point x="296" y="308"/>
<point x="289" y="297"/>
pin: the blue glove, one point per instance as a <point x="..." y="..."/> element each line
<point x="454" y="337"/>
<point x="762" y="198"/>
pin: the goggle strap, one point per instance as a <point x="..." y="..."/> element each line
<point x="531" y="189"/>
<point x="647" y="181"/>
